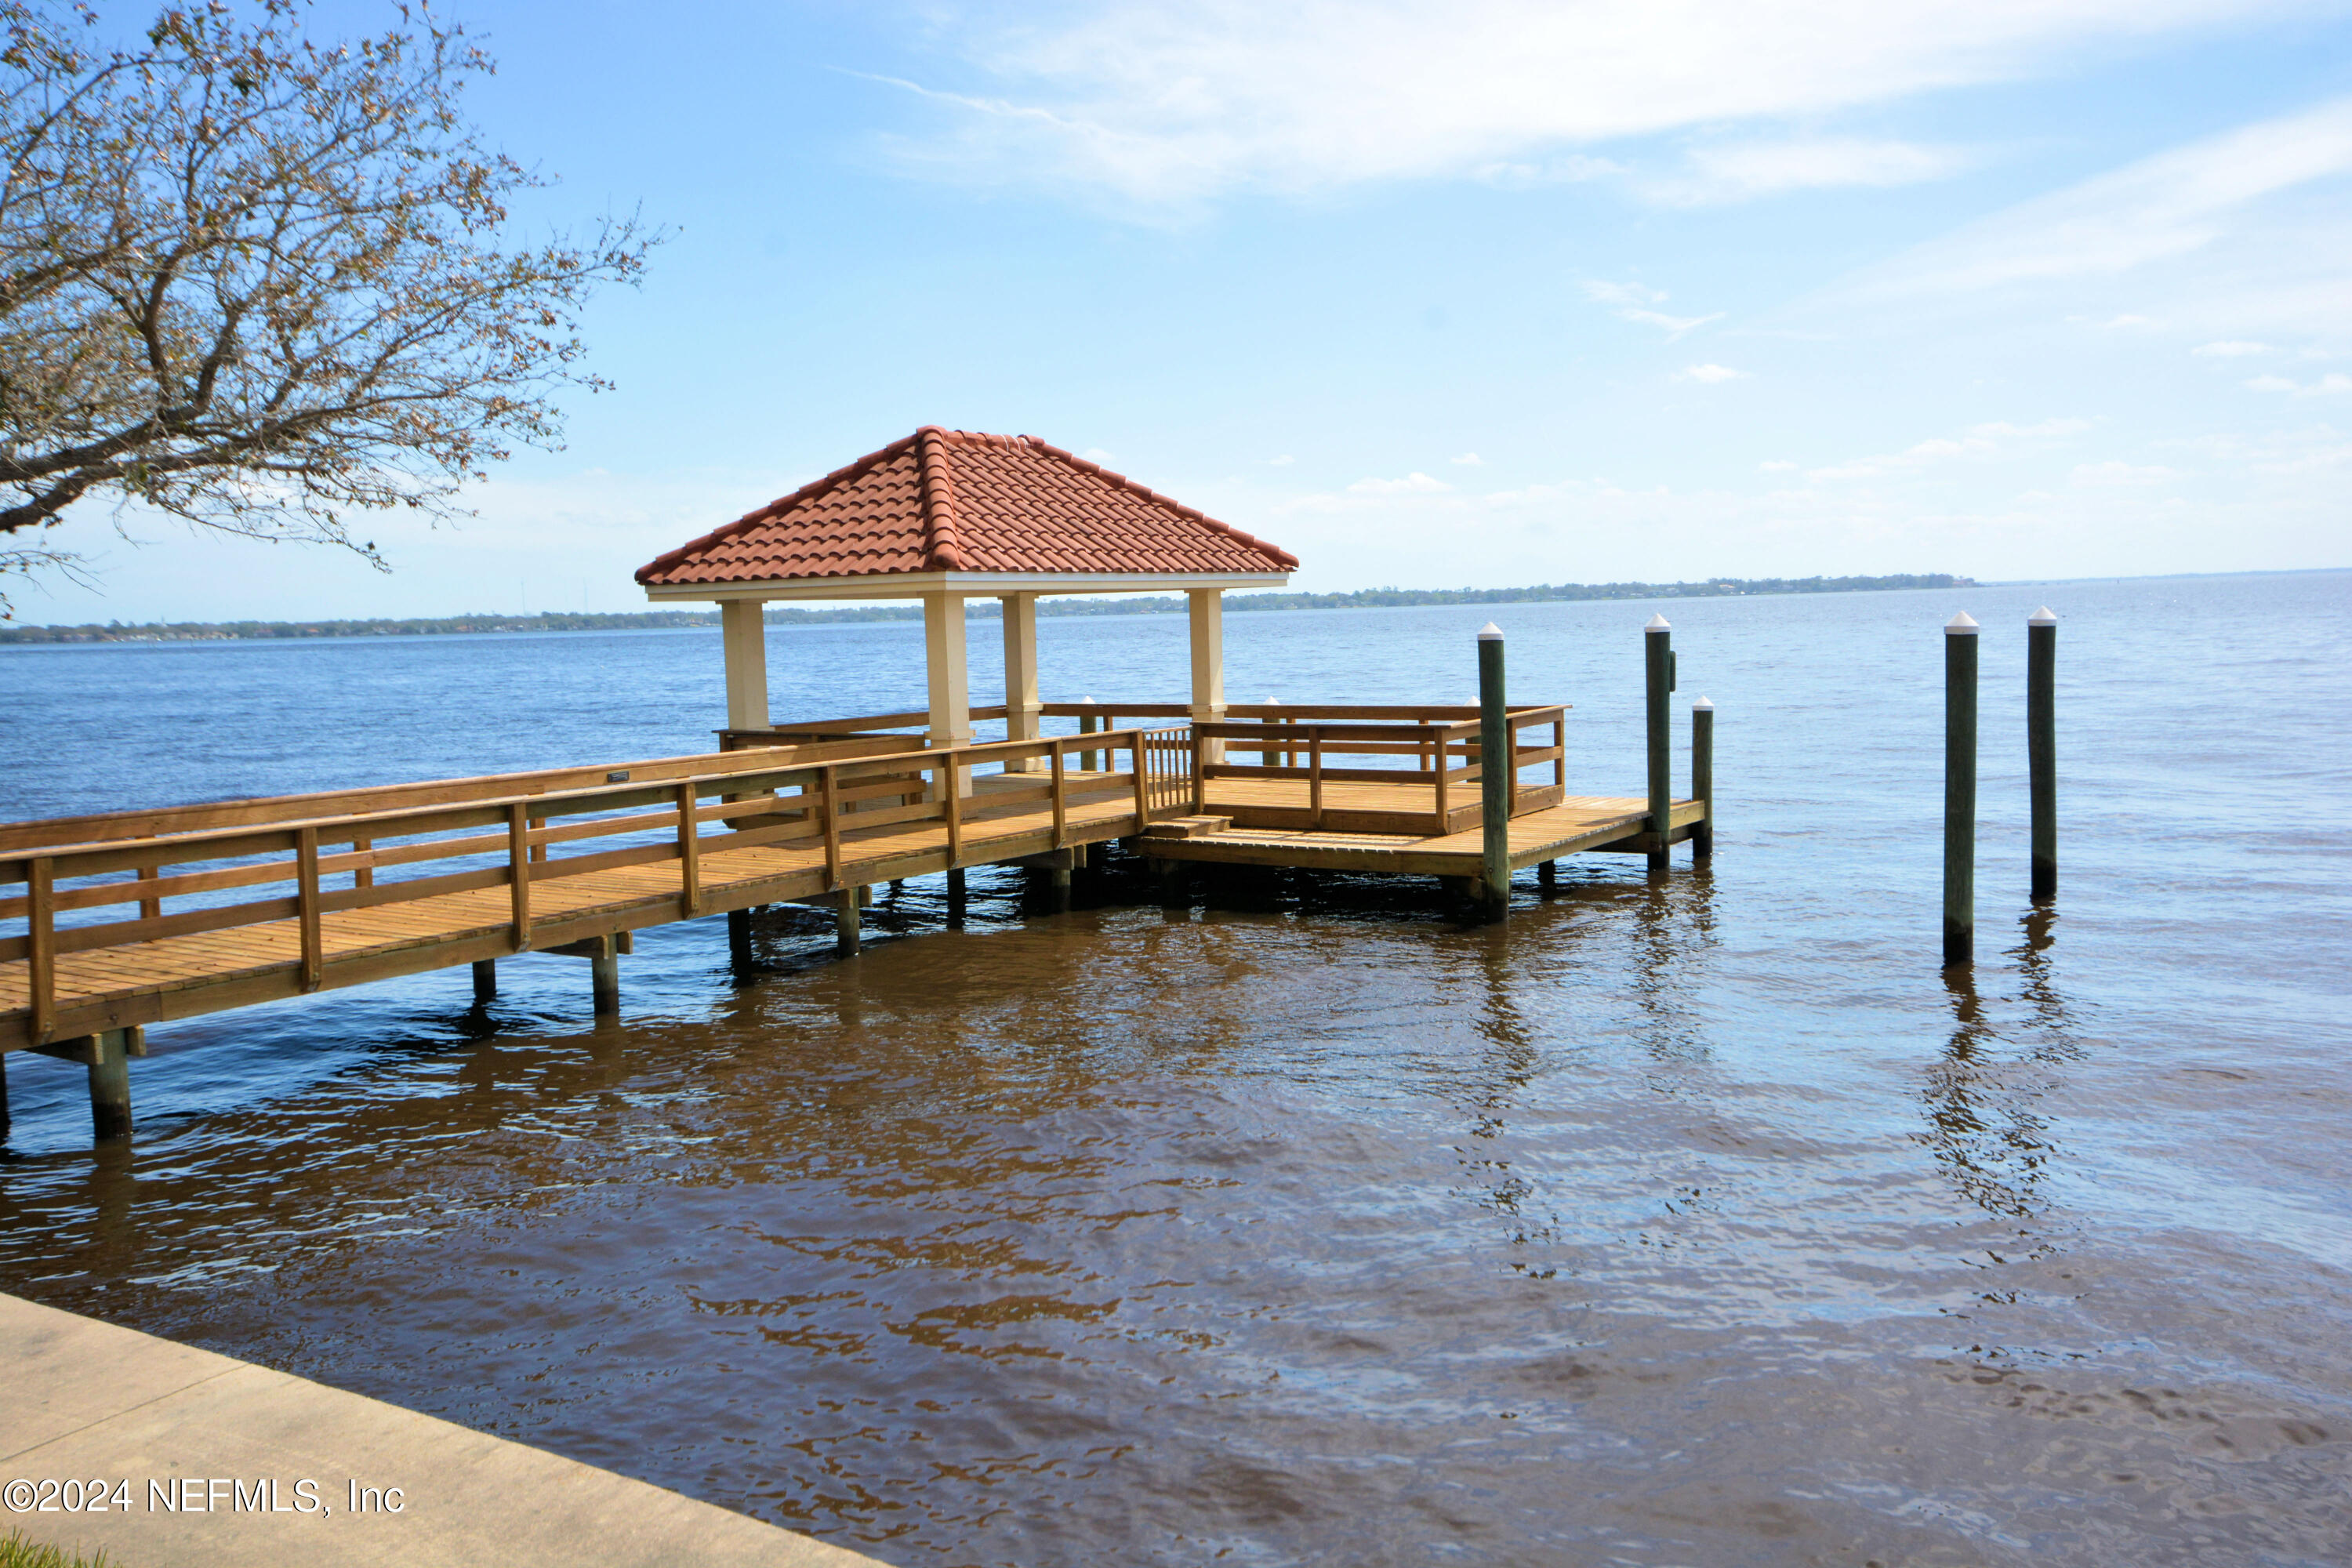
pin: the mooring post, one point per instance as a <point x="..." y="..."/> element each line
<point x="605" y="975"/>
<point x="738" y="938"/>
<point x="3" y="1096"/>
<point x="1547" y="874"/>
<point x="109" y="1085"/>
<point x="2041" y="745"/>
<point x="1057" y="882"/>
<point x="1959" y="790"/>
<point x="955" y="896"/>
<point x="1496" y="774"/>
<point x="846" y="939"/>
<point x="1703" y="778"/>
<point x="1658" y="669"/>
<point x="486" y="981"/>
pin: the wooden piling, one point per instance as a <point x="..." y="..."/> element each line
<point x="1547" y="874"/>
<point x="109" y="1085"/>
<point x="604" y="978"/>
<point x="3" y="1096"/>
<point x="738" y="938"/>
<point x="1959" y="790"/>
<point x="848" y="939"/>
<point x="1703" y="778"/>
<point x="486" y="981"/>
<point x="1658" y="671"/>
<point x="956" y="895"/>
<point x="2041" y="745"/>
<point x="1495" y="776"/>
<point x="1059" y="887"/>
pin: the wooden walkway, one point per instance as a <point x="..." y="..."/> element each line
<point x="792" y="833"/>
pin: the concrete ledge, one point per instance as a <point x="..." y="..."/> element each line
<point x="87" y="1402"/>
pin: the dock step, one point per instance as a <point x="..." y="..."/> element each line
<point x="1188" y="827"/>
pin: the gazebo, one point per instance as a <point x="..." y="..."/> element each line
<point x="944" y="516"/>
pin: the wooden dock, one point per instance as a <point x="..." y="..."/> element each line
<point x="135" y="917"/>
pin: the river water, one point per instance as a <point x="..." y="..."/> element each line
<point x="1692" y="1223"/>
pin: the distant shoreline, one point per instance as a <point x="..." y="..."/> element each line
<point x="984" y="609"/>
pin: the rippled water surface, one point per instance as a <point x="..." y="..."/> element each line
<point x="1701" y="1222"/>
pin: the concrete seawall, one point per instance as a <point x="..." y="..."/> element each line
<point x="201" y="1460"/>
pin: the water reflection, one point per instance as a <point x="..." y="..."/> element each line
<point x="1993" y="1143"/>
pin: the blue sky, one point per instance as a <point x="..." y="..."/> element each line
<point x="1430" y="294"/>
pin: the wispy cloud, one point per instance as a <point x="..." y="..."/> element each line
<point x="1159" y="101"/>
<point x="1738" y="172"/>
<point x="1712" y="374"/>
<point x="2327" y="386"/>
<point x="1632" y="303"/>
<point x="1411" y="484"/>
<point x="1978" y="441"/>
<point x="1470" y="461"/>
<point x="2232" y="348"/>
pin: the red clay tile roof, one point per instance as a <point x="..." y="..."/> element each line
<point x="956" y="501"/>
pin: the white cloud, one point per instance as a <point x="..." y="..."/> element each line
<point x="1411" y="484"/>
<point x="2161" y="207"/>
<point x="1746" y="171"/>
<point x="1163" y="101"/>
<point x="1471" y="460"/>
<point x="1097" y="455"/>
<point x="1778" y="466"/>
<point x="1632" y="303"/>
<point x="1284" y="461"/>
<point x="2114" y="472"/>
<point x="1978" y="441"/>
<point x="2232" y="348"/>
<point x="2325" y="386"/>
<point x="1712" y="374"/>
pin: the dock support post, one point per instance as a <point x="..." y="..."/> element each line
<point x="486" y="981"/>
<point x="1495" y="776"/>
<point x="4" y="1096"/>
<point x="1959" y="790"/>
<point x="848" y="939"/>
<point x="2041" y="746"/>
<point x="1658" y="668"/>
<point x="109" y="1085"/>
<point x="604" y="976"/>
<point x="1703" y="778"/>
<point x="956" y="895"/>
<point x="1169" y="874"/>
<point x="1547" y="874"/>
<point x="1058" y="881"/>
<point x="738" y="937"/>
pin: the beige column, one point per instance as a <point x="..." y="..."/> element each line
<point x="743" y="632"/>
<point x="1021" y="675"/>
<point x="1209" y="664"/>
<point x="943" y="651"/>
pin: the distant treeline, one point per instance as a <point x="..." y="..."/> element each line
<point x="1362" y="599"/>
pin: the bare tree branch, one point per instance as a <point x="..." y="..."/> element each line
<point x="262" y="283"/>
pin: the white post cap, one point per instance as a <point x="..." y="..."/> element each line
<point x="1960" y="626"/>
<point x="2042" y="617"/>
<point x="1086" y="699"/>
<point x="1704" y="705"/>
<point x="1659" y="623"/>
<point x="1490" y="632"/>
<point x="1274" y="701"/>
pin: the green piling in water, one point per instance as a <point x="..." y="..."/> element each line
<point x="2041" y="746"/>
<point x="1658" y="677"/>
<point x="1703" y="778"/>
<point x="847" y="938"/>
<point x="1959" y="791"/>
<point x="109" y="1085"/>
<point x="485" y="982"/>
<point x="1495" y="775"/>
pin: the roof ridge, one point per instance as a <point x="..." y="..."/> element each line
<point x="1170" y="502"/>
<point x="935" y="491"/>
<point x="809" y="491"/>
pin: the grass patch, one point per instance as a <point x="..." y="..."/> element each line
<point x="15" y="1552"/>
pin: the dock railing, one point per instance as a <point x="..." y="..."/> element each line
<point x="1303" y="744"/>
<point x="645" y="813"/>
